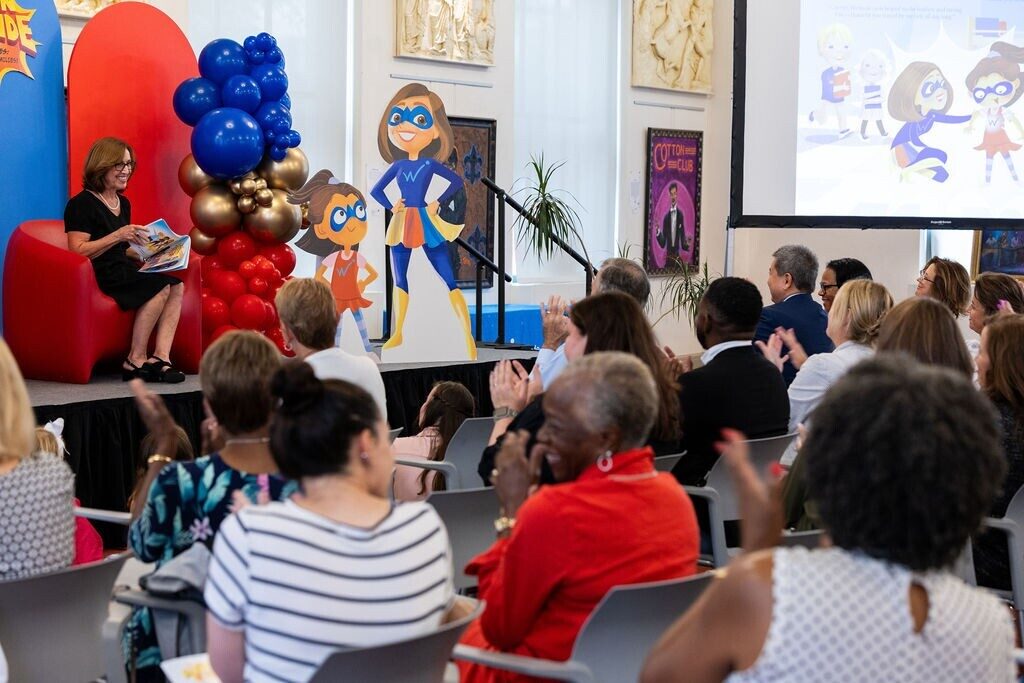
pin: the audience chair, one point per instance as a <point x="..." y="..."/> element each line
<point x="51" y="625"/>
<point x="719" y="492"/>
<point x="802" y="539"/>
<point x="665" y="463"/>
<point x="393" y="434"/>
<point x="416" y="660"/>
<point x="452" y="480"/>
<point x="469" y="517"/>
<point x="614" y="641"/>
<point x="1012" y="524"/>
<point x="193" y="611"/>
<point x="467" y="446"/>
<point x="111" y="516"/>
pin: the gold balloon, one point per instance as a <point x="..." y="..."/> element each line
<point x="236" y="185"/>
<point x="278" y="222"/>
<point x="288" y="174"/>
<point x="247" y="186"/>
<point x="214" y="210"/>
<point x="264" y="197"/>
<point x="201" y="242"/>
<point x="261" y="183"/>
<point x="191" y="177"/>
<point x="246" y="204"/>
<point x="305" y="215"/>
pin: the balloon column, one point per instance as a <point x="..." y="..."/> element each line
<point x="245" y="158"/>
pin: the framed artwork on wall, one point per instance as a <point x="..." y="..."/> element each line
<point x="459" y="31"/>
<point x="83" y="9"/>
<point x="998" y="251"/>
<point x="673" y="42"/>
<point x="672" y="215"/>
<point x="473" y="159"/>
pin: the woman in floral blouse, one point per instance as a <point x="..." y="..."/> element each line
<point x="187" y="501"/>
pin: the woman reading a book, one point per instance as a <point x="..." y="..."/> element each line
<point x="99" y="227"/>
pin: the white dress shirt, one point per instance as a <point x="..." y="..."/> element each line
<point x="335" y="363"/>
<point x="710" y="354"/>
<point x="818" y="373"/>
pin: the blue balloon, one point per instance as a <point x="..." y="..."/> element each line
<point x="294" y="139"/>
<point x="274" y="55"/>
<point x="270" y="112"/>
<point x="249" y="44"/>
<point x="241" y="92"/>
<point x="281" y="126"/>
<point x="286" y="100"/>
<point x="193" y="98"/>
<point x="227" y="143"/>
<point x="272" y="79"/>
<point x="221" y="59"/>
<point x="265" y="41"/>
<point x="278" y="153"/>
<point x="269" y="136"/>
<point x="256" y="57"/>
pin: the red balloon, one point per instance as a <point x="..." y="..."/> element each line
<point x="206" y="293"/>
<point x="272" y="319"/>
<point x="258" y="286"/>
<point x="235" y="248"/>
<point x="221" y="331"/>
<point x="215" y="314"/>
<point x="227" y="285"/>
<point x="265" y="269"/>
<point x="281" y="255"/>
<point x="210" y="264"/>
<point x="247" y="269"/>
<point x="248" y="313"/>
<point x="259" y="258"/>
<point x="275" y="281"/>
<point x="275" y="335"/>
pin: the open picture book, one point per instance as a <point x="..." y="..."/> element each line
<point x="162" y="250"/>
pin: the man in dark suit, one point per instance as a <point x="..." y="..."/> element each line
<point x="736" y="388"/>
<point x="673" y="230"/>
<point x="791" y="278"/>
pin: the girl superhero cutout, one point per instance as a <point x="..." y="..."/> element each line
<point x="995" y="85"/>
<point x="415" y="137"/>
<point x="337" y="212"/>
<point x="921" y="97"/>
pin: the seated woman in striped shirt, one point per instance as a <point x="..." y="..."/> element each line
<point x="336" y="566"/>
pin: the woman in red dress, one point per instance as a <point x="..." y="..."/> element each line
<point x="611" y="520"/>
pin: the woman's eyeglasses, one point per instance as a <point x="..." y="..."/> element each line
<point x="122" y="165"/>
<point x="826" y="286"/>
<point x="923" y="275"/>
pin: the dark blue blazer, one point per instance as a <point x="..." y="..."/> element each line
<point x="803" y="315"/>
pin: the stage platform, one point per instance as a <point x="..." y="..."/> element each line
<point x="103" y="431"/>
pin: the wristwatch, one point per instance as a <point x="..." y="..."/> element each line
<point x="505" y="412"/>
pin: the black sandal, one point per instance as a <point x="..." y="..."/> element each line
<point x="161" y="370"/>
<point x="134" y="373"/>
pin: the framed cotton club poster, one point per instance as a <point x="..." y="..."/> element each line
<point x="672" y="216"/>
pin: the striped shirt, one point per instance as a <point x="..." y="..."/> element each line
<point x="873" y="96"/>
<point x="301" y="585"/>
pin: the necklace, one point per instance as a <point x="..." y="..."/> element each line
<point x="252" y="439"/>
<point x="117" y="201"/>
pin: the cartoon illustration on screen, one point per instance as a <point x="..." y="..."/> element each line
<point x="834" y="43"/>
<point x="995" y="86"/>
<point x="921" y="97"/>
<point x="415" y="137"/>
<point x="874" y="70"/>
<point x="337" y="212"/>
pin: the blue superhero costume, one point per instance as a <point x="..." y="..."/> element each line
<point x="908" y="148"/>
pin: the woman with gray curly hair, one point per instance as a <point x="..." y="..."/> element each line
<point x="611" y="519"/>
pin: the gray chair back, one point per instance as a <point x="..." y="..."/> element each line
<point x="625" y="625"/>
<point x="393" y="434"/>
<point x="804" y="539"/>
<point x="665" y="463"/>
<point x="467" y="446"/>
<point x="763" y="452"/>
<point x="51" y="626"/>
<point x="417" y="660"/>
<point x="469" y="516"/>
<point x="1012" y="525"/>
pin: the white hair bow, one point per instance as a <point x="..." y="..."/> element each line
<point x="56" y="427"/>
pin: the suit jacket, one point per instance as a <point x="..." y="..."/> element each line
<point x="738" y="389"/>
<point x="805" y="317"/>
<point x="676" y="241"/>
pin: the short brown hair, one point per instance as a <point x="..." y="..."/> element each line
<point x="235" y="377"/>
<point x="102" y="156"/>
<point x="952" y="285"/>
<point x="1005" y="378"/>
<point x="902" y="95"/>
<point x="306" y="307"/>
<point x="923" y="328"/>
<point x="990" y="288"/>
<point x="439" y="149"/>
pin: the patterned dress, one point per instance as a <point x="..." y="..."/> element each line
<point x="37" y="523"/>
<point x="186" y="504"/>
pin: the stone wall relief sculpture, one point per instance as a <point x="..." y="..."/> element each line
<point x="673" y="42"/>
<point x="446" y="30"/>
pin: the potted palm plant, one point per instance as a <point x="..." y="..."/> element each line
<point x="683" y="291"/>
<point x="550" y="215"/>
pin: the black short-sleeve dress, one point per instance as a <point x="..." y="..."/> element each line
<point x="116" y="273"/>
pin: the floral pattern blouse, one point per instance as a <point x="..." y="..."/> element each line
<point x="186" y="504"/>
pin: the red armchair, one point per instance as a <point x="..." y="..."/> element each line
<point x="59" y="324"/>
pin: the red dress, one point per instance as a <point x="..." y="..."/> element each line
<point x="572" y="543"/>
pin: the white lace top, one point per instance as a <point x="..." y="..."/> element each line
<point x="843" y="617"/>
